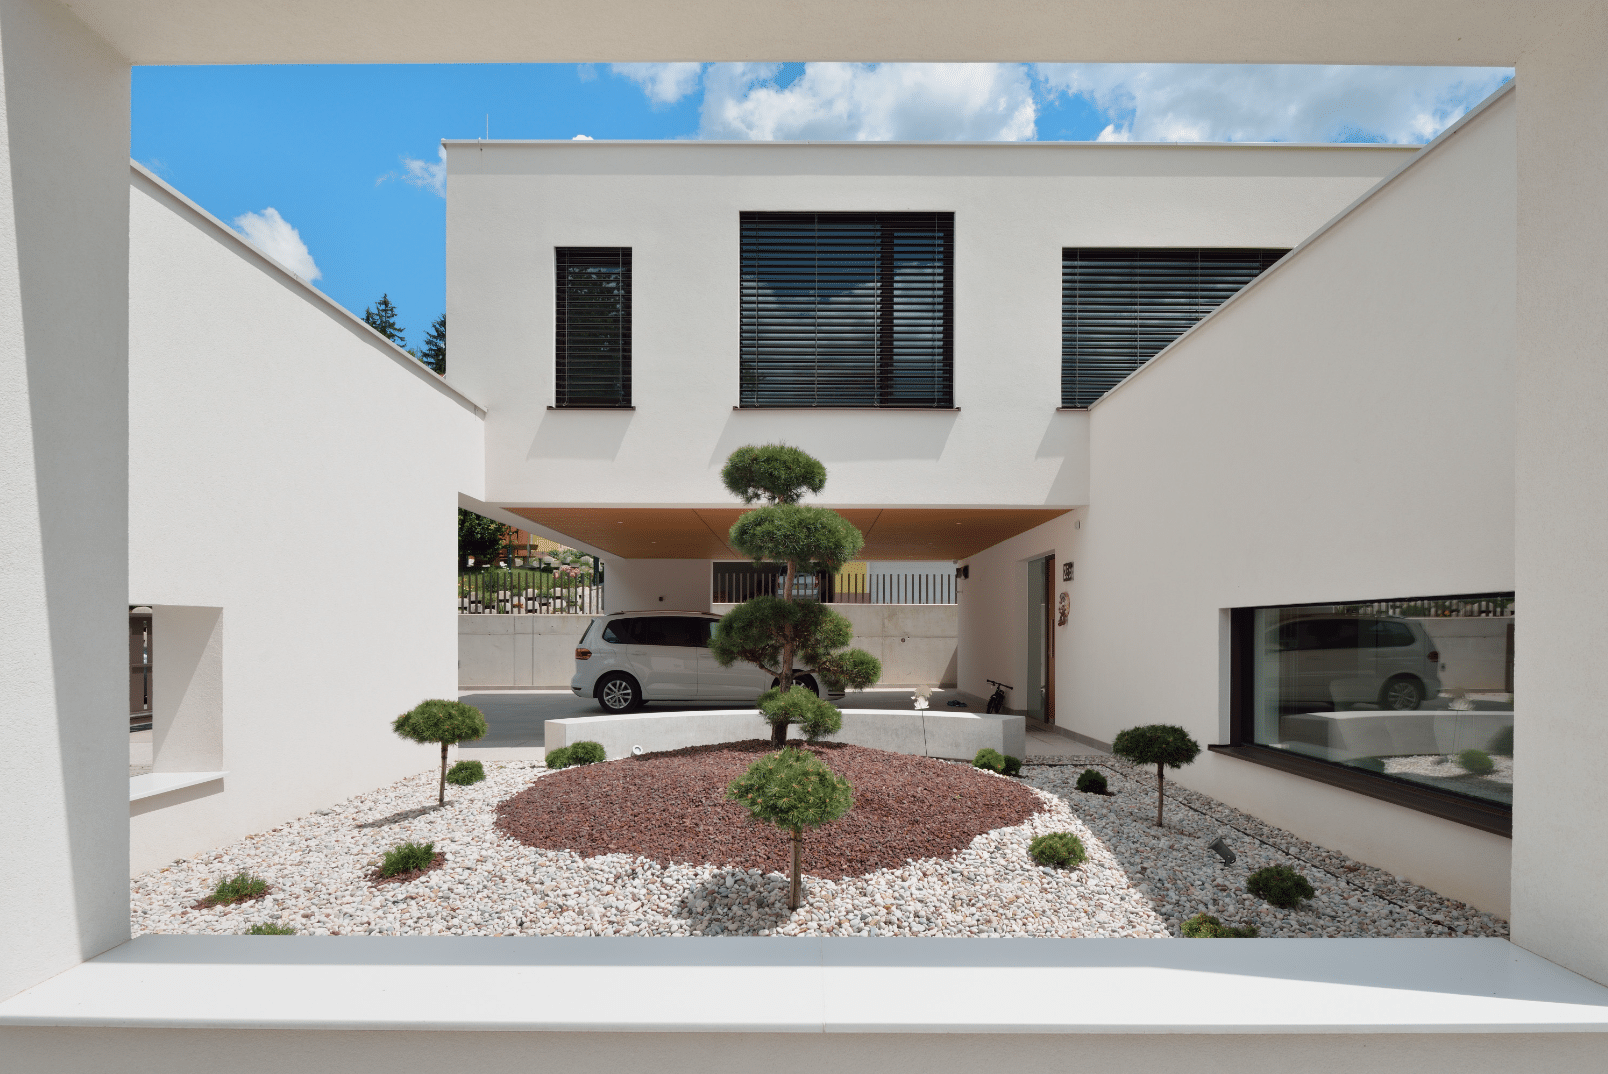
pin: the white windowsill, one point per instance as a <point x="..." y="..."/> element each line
<point x="154" y="783"/>
<point x="834" y="985"/>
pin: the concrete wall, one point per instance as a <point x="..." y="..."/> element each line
<point x="507" y="652"/>
<point x="63" y="490"/>
<point x="636" y="585"/>
<point x="288" y="446"/>
<point x="1285" y="452"/>
<point x="676" y="204"/>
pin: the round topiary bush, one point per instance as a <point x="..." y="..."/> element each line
<point x="1476" y="762"/>
<point x="1280" y="886"/>
<point x="1501" y="743"/>
<point x="577" y="753"/>
<point x="1092" y="782"/>
<point x="1059" y="850"/>
<point x="442" y="722"/>
<point x="464" y="773"/>
<point x="1161" y="744"/>
<point x="989" y="759"/>
<point x="1206" y="927"/>
<point x="793" y="790"/>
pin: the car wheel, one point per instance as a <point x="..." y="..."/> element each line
<point x="806" y="681"/>
<point x="1401" y="695"/>
<point x="618" y="693"/>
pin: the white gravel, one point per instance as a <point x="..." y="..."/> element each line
<point x="1137" y="882"/>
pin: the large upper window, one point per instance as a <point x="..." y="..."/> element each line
<point x="1418" y="692"/>
<point x="1120" y="306"/>
<point x="847" y="309"/>
<point x="592" y="353"/>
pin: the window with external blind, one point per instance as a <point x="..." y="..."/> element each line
<point x="847" y="310"/>
<point x="593" y="349"/>
<point x="1120" y="306"/>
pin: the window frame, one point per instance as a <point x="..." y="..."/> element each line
<point x="1478" y="813"/>
<point x="883" y="367"/>
<point x="562" y="372"/>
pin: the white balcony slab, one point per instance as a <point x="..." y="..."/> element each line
<point x="830" y="985"/>
<point x="154" y="783"/>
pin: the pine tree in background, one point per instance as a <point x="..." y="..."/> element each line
<point x="434" y="354"/>
<point x="382" y="318"/>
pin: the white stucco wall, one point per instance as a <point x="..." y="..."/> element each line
<point x="303" y="480"/>
<point x="1342" y="431"/>
<point x="677" y="204"/>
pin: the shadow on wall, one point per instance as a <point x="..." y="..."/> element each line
<point x="580" y="434"/>
<point x="840" y="436"/>
<point x="1066" y="437"/>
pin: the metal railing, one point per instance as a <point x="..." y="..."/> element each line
<point x="735" y="583"/>
<point x="522" y="591"/>
<point x="1457" y="608"/>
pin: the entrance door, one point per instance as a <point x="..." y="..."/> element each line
<point x="1041" y="639"/>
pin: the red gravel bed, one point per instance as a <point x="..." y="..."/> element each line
<point x="672" y="807"/>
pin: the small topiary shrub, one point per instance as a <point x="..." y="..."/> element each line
<point x="1279" y="885"/>
<point x="441" y="722"/>
<point x="1501" y="743"/>
<point x="407" y="858"/>
<point x="991" y="759"/>
<point x="238" y="888"/>
<point x="1013" y="765"/>
<point x="1059" y="850"/>
<point x="1207" y="927"/>
<point x="1476" y="762"/>
<point x="268" y="928"/>
<point x="793" y="790"/>
<point x="577" y="753"/>
<point x="466" y="772"/>
<point x="1092" y="782"/>
<point x="1161" y="744"/>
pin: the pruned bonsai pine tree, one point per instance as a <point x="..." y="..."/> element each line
<point x="779" y="632"/>
<point x="1160" y="744"/>
<point x="445" y="722"/>
<point x="793" y="790"/>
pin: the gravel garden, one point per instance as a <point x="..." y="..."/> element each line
<point x="652" y="845"/>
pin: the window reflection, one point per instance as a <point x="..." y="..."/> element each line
<point x="1419" y="690"/>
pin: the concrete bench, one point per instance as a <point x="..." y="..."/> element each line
<point x="926" y="733"/>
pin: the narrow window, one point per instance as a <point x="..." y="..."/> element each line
<point x="1121" y="306"/>
<point x="847" y="310"/>
<point x="592" y="354"/>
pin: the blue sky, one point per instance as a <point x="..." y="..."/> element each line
<point x="335" y="170"/>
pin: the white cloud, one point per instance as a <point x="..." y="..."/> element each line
<point x="581" y="138"/>
<point x="427" y="175"/>
<point x="664" y="83"/>
<point x="869" y="102"/>
<point x="1286" y="103"/>
<point x="273" y="235"/>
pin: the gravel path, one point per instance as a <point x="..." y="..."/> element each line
<point x="1136" y="882"/>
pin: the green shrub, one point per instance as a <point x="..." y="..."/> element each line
<point x="990" y="759"/>
<point x="268" y="928"/>
<point x="1279" y="885"/>
<point x="576" y="753"/>
<point x="1059" y="850"/>
<point x="238" y="888"/>
<point x="1013" y="765"/>
<point x="1501" y="743"/>
<point x="1369" y="764"/>
<point x="1161" y="744"/>
<point x="1476" y="762"/>
<point x="443" y="722"/>
<point x="817" y="716"/>
<point x="793" y="790"/>
<point x="1207" y="927"/>
<point x="466" y="772"/>
<point x="1092" y="782"/>
<point x="407" y="857"/>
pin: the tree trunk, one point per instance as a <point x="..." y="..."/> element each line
<point x="784" y="681"/>
<point x="794" y="889"/>
<point x="441" y="794"/>
<point x="1161" y="790"/>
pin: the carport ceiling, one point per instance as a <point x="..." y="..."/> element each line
<point x="700" y="532"/>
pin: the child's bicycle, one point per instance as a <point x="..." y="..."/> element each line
<point x="996" y="700"/>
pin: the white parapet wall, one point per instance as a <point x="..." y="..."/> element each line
<point x="957" y="736"/>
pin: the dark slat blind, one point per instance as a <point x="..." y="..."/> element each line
<point x="593" y="350"/>
<point x="847" y="309"/>
<point x="1120" y="306"/>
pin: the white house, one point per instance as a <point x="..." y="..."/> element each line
<point x="1409" y="407"/>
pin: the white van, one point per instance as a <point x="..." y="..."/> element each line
<point x="627" y="659"/>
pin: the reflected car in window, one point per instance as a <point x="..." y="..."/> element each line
<point x="1349" y="660"/>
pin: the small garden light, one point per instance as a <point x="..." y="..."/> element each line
<point x="1222" y="851"/>
<point x="636" y="751"/>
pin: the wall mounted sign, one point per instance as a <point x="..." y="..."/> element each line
<point x="1063" y="608"/>
<point x="1066" y="571"/>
